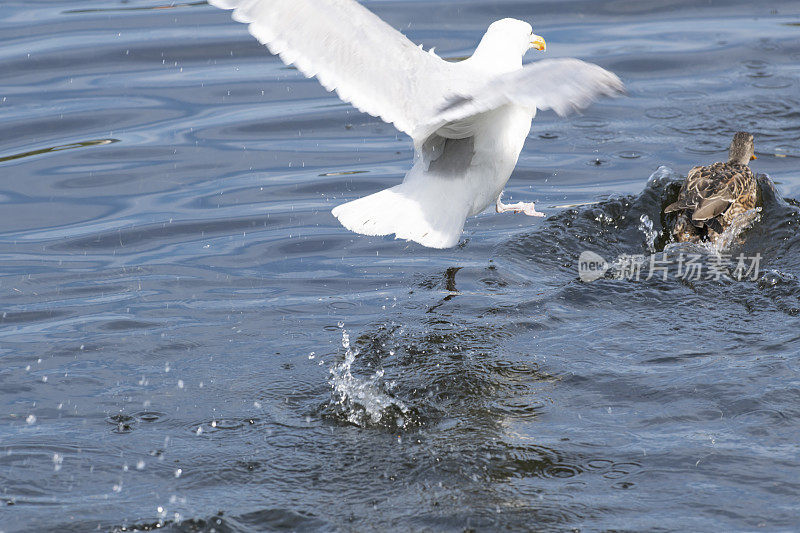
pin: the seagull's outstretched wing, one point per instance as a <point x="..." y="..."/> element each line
<point x="562" y="85"/>
<point x="352" y="51"/>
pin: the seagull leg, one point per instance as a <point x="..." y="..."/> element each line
<point x="520" y="207"/>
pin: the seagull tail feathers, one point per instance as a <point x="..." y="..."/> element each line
<point x="408" y="213"/>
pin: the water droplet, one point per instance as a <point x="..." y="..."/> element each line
<point x="31" y="419"/>
<point x="57" y="460"/>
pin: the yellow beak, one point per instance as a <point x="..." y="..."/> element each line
<point x="538" y="42"/>
<point x="753" y="157"/>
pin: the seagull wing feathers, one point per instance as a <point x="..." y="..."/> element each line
<point x="563" y="85"/>
<point x="350" y="50"/>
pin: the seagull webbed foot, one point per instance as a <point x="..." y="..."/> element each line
<point x="520" y="207"/>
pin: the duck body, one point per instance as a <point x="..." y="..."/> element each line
<point x="712" y="196"/>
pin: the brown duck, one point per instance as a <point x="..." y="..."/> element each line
<point x="713" y="195"/>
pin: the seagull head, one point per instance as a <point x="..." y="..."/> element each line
<point x="506" y="41"/>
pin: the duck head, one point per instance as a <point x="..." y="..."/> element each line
<point x="742" y="149"/>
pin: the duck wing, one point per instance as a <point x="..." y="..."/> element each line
<point x="691" y="190"/>
<point x="710" y="190"/>
<point x="720" y="188"/>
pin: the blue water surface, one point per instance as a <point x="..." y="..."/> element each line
<point x="189" y="340"/>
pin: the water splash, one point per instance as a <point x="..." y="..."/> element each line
<point x="663" y="174"/>
<point x="364" y="402"/>
<point x="650" y="234"/>
<point x="739" y="224"/>
<point x="725" y="241"/>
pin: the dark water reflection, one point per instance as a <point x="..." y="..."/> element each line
<point x="175" y="292"/>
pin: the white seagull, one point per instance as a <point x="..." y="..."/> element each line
<point x="468" y="119"/>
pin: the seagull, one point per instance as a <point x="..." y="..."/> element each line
<point x="714" y="195"/>
<point x="468" y="119"/>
